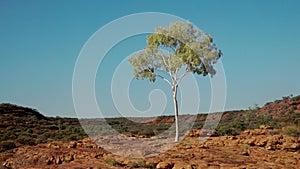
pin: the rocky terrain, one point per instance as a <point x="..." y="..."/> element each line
<point x="259" y="148"/>
<point x="266" y="137"/>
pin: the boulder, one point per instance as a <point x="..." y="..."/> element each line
<point x="182" y="165"/>
<point x="164" y="165"/>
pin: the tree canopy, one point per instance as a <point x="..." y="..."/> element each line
<point x="180" y="45"/>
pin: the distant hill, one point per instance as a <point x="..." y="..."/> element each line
<point x="282" y="114"/>
<point x="26" y="126"/>
<point x="280" y="108"/>
<point x="7" y="109"/>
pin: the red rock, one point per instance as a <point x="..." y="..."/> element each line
<point x="182" y="165"/>
<point x="164" y="165"/>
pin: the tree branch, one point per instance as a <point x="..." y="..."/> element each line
<point x="165" y="63"/>
<point x="165" y="79"/>
<point x="171" y="73"/>
<point x="173" y="49"/>
<point x="182" y="76"/>
<point x="176" y="72"/>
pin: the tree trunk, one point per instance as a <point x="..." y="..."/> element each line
<point x="176" y="112"/>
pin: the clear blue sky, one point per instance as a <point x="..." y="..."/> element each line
<point x="41" y="40"/>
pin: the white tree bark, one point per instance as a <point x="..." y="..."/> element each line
<point x="176" y="112"/>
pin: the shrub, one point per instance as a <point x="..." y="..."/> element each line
<point x="139" y="164"/>
<point x="75" y="129"/>
<point x="186" y="142"/>
<point x="25" y="140"/>
<point x="4" y="137"/>
<point x="45" y="136"/>
<point x="30" y="131"/>
<point x="11" y="128"/>
<point x="52" y="127"/>
<point x="7" y="145"/>
<point x="146" y="132"/>
<point x="239" y="124"/>
<point x="10" y="135"/>
<point x="198" y="125"/>
<point x="61" y="126"/>
<point x="291" y="131"/>
<point x="112" y="162"/>
<point x="224" y="130"/>
<point x="72" y="137"/>
<point x="39" y="141"/>
<point x="245" y="149"/>
<point x="151" y="165"/>
<point x="262" y="119"/>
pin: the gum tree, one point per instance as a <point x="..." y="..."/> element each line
<point x="173" y="52"/>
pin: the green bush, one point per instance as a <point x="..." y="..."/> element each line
<point x="245" y="149"/>
<point x="139" y="164"/>
<point x="112" y="162"/>
<point x="11" y="135"/>
<point x="224" y="130"/>
<point x="7" y="145"/>
<point x="25" y="140"/>
<point x="72" y="137"/>
<point x="45" y="136"/>
<point x="262" y="119"/>
<point x="39" y="141"/>
<point x="198" y="125"/>
<point x="11" y="128"/>
<point x="4" y="137"/>
<point x="291" y="131"/>
<point x="146" y="132"/>
<point x="29" y="131"/>
<point x="73" y="129"/>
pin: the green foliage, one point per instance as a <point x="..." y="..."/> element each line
<point x="291" y="119"/>
<point x="140" y="164"/>
<point x="75" y="129"/>
<point x="25" y="140"/>
<point x="53" y="127"/>
<point x="125" y="126"/>
<point x="113" y="162"/>
<point x="44" y="136"/>
<point x="225" y="130"/>
<point x="198" y="125"/>
<point x="262" y="119"/>
<point x="146" y="132"/>
<point x="291" y="131"/>
<point x="250" y="119"/>
<point x="38" y="141"/>
<point x="239" y="124"/>
<point x="7" y="145"/>
<point x="245" y="148"/>
<point x="169" y="49"/>
<point x="10" y="128"/>
<point x="26" y="126"/>
<point x="4" y="137"/>
<point x="286" y="97"/>
<point x="30" y="131"/>
<point x="61" y="126"/>
<point x="186" y="142"/>
<point x="72" y="137"/>
<point x="7" y="135"/>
